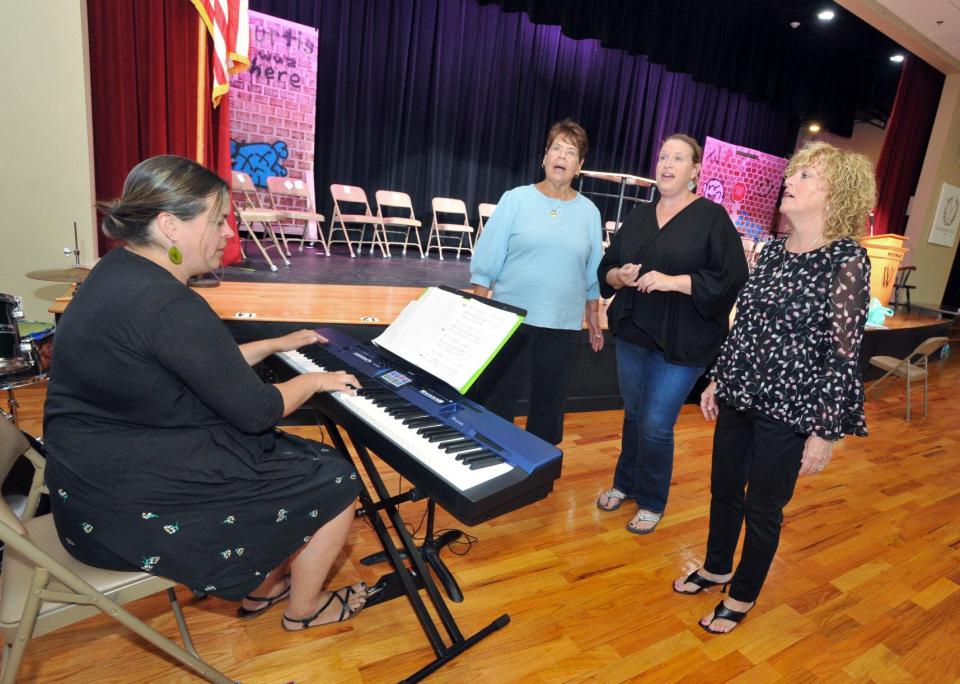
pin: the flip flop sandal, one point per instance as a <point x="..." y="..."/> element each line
<point x="702" y="583"/>
<point x="612" y="493"/>
<point x="721" y="612"/>
<point x="346" y="612"/>
<point x="643" y="515"/>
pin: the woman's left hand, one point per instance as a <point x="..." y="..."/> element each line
<point x="653" y="281"/>
<point x="297" y="339"/>
<point x="596" y="334"/>
<point x="816" y="455"/>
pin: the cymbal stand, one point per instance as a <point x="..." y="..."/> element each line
<point x="12" y="403"/>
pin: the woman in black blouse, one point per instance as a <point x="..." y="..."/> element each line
<point x="675" y="268"/>
<point x="787" y="383"/>
<point x="162" y="452"/>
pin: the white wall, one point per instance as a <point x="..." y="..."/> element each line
<point x="941" y="165"/>
<point x="46" y="180"/>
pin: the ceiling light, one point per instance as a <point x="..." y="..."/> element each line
<point x="826" y="15"/>
<point x="896" y="58"/>
<point x="814" y="128"/>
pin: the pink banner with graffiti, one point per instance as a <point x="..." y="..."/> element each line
<point x="273" y="104"/>
<point x="746" y="182"/>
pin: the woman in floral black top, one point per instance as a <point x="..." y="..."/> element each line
<point x="787" y="383"/>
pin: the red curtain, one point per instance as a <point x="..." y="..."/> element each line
<point x="143" y="81"/>
<point x="905" y="144"/>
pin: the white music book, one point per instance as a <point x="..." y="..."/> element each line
<point x="451" y="335"/>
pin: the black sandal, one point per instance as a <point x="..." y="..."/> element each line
<point x="702" y="583"/>
<point x="721" y="612"/>
<point x="346" y="612"/>
<point x="245" y="614"/>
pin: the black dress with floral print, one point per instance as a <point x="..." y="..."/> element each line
<point x="793" y="353"/>
<point x="162" y="455"/>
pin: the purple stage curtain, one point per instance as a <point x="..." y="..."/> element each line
<point x="450" y="98"/>
<point x="905" y="145"/>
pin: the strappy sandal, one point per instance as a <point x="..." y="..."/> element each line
<point x="346" y="612"/>
<point x="721" y="612"/>
<point x="612" y="493"/>
<point x="643" y="515"/>
<point x="702" y="583"/>
<point x="245" y="614"/>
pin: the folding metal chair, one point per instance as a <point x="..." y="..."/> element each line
<point x="609" y="228"/>
<point x="44" y="588"/>
<point x="351" y="194"/>
<point x="285" y="195"/>
<point x="912" y="367"/>
<point x="485" y="211"/>
<point x="249" y="211"/>
<point x="449" y="206"/>
<point x="408" y="224"/>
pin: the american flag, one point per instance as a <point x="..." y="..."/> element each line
<point x="229" y="26"/>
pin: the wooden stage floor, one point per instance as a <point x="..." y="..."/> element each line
<point x="866" y="585"/>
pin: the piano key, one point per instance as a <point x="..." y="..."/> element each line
<point x="461" y="445"/>
<point x="457" y="439"/>
<point x="485" y="462"/>
<point x="401" y="413"/>
<point x="470" y="458"/>
<point x="476" y="452"/>
<point x="443" y="436"/>
<point x="426" y="421"/>
<point x="427" y="431"/>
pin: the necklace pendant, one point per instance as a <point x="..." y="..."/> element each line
<point x="554" y="213"/>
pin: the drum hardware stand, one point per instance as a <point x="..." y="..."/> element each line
<point x="408" y="580"/>
<point x="13" y="404"/>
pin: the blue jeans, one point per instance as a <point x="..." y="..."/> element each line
<point x="653" y="391"/>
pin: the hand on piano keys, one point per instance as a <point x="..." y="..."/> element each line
<point x="337" y="381"/>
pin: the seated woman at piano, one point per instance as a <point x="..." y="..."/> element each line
<point x="787" y="382"/>
<point x="539" y="251"/>
<point x="163" y="455"/>
<point x="673" y="269"/>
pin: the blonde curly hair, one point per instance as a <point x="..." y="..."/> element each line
<point x="851" y="186"/>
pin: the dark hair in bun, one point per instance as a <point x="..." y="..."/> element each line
<point x="167" y="183"/>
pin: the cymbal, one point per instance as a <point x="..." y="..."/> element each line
<point x="61" y="275"/>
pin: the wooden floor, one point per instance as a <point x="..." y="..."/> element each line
<point x="864" y="588"/>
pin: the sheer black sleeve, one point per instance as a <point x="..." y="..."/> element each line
<point x="836" y="401"/>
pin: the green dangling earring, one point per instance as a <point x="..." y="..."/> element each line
<point x="175" y="255"/>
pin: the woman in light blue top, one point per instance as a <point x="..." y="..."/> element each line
<point x="540" y="251"/>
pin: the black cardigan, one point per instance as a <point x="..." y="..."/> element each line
<point x="700" y="242"/>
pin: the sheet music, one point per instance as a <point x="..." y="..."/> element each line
<point x="450" y="336"/>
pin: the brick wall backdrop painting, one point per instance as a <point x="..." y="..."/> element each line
<point x="746" y="182"/>
<point x="273" y="104"/>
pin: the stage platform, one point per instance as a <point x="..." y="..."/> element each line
<point x="254" y="310"/>
<point x="362" y="296"/>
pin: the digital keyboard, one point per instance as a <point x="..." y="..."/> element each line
<point x="468" y="460"/>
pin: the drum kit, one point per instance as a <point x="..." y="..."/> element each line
<point x="26" y="347"/>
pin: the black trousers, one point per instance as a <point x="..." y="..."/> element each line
<point x="546" y="356"/>
<point x="756" y="462"/>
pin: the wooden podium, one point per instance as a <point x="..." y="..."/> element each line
<point x="885" y="252"/>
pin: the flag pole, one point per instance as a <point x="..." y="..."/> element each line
<point x="201" y="88"/>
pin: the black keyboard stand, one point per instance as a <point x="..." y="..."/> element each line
<point x="408" y="580"/>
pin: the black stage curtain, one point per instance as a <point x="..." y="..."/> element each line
<point x="454" y="98"/>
